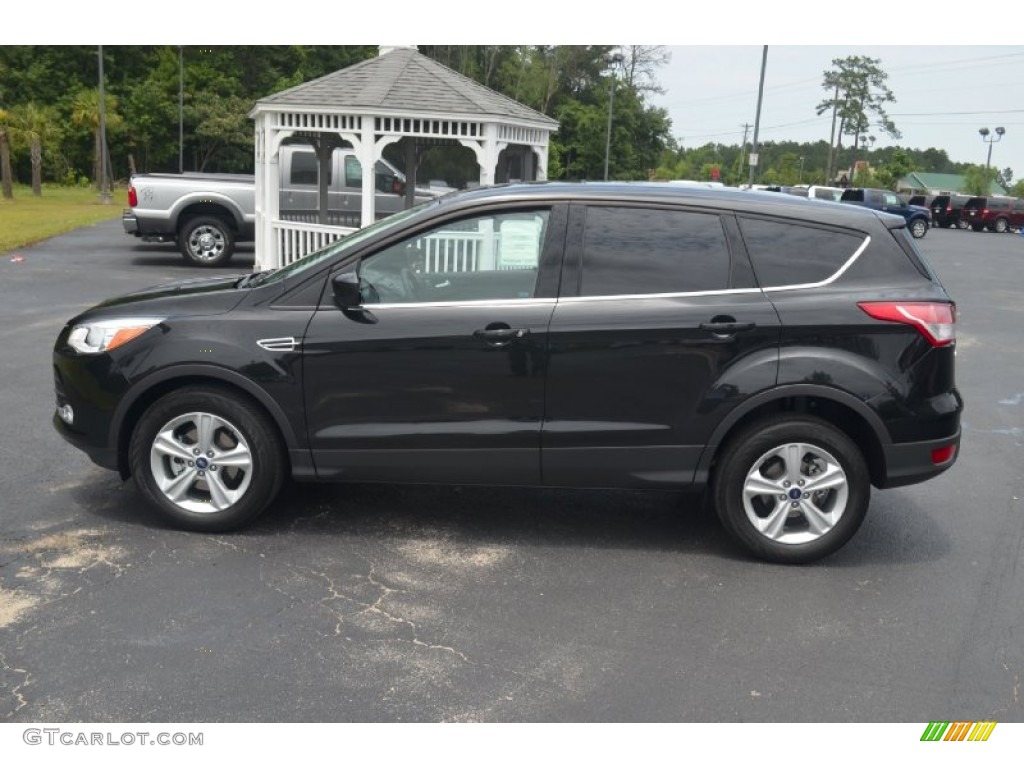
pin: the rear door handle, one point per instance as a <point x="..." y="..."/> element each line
<point x="500" y="337"/>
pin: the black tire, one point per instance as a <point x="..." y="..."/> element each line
<point x="206" y="241"/>
<point x="918" y="228"/>
<point x="237" y="431"/>
<point x="837" y="510"/>
<point x="1002" y="226"/>
<point x="977" y="227"/>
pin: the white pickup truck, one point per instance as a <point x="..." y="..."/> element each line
<point x="207" y="213"/>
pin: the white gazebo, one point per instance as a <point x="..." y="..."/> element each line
<point x="399" y="96"/>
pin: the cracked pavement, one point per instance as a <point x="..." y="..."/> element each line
<point x="376" y="603"/>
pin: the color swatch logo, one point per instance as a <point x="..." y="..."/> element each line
<point x="958" y="731"/>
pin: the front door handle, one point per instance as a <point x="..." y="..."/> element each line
<point x="500" y="337"/>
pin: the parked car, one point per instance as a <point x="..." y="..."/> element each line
<point x="786" y="354"/>
<point x="918" y="218"/>
<point x="817" y="192"/>
<point x="946" y="210"/>
<point x="206" y="213"/>
<point x="925" y="201"/>
<point x="997" y="214"/>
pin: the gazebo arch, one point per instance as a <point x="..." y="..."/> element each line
<point x="399" y="96"/>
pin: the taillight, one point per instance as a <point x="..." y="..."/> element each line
<point x="935" y="320"/>
<point x="133" y="199"/>
<point x="949" y="209"/>
<point x="984" y="212"/>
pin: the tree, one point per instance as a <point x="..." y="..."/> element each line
<point x="85" y="113"/>
<point x="5" y="158"/>
<point x="858" y="93"/>
<point x="32" y="125"/>
<point x="639" y="63"/>
<point x="898" y="166"/>
<point x="1018" y="189"/>
<point x="978" y="179"/>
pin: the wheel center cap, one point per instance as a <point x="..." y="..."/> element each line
<point x="206" y="241"/>
<point x="202" y="463"/>
<point x="794" y="493"/>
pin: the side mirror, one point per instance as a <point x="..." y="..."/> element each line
<point x="346" y="290"/>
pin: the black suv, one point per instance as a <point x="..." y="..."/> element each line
<point x="786" y="353"/>
<point x="918" y="217"/>
<point x="946" y="210"/>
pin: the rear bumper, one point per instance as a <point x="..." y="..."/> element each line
<point x="909" y="463"/>
<point x="130" y="222"/>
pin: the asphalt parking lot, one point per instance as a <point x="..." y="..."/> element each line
<point x="376" y="603"/>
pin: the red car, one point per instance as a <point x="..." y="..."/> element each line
<point x="997" y="214"/>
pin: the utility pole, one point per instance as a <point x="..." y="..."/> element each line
<point x="104" y="177"/>
<point x="757" y="117"/>
<point x="832" y="136"/>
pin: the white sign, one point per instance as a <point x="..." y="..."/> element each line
<point x="520" y="243"/>
<point x="753" y="158"/>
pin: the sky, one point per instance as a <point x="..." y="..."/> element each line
<point x="944" y="94"/>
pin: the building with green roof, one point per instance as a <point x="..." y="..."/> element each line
<point x="939" y="183"/>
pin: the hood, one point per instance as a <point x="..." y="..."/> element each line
<point x="198" y="296"/>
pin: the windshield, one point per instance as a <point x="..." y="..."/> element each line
<point x="317" y="257"/>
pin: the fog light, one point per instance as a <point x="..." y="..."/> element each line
<point x="944" y="454"/>
<point x="66" y="413"/>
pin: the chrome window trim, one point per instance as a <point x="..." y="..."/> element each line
<point x="634" y="296"/>
<point x="467" y="303"/>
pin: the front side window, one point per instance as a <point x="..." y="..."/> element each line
<point x="891" y="199"/>
<point x="484" y="258"/>
<point x="305" y="169"/>
<point x="635" y="251"/>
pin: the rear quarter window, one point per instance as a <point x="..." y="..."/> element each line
<point x="792" y="253"/>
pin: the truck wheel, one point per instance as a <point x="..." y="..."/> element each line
<point x="918" y="228"/>
<point x="1001" y="226"/>
<point x="206" y="241"/>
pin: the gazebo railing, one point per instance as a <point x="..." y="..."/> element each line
<point x="297" y="239"/>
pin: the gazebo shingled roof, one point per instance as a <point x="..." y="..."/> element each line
<point x="404" y="79"/>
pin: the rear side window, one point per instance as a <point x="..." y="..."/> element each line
<point x="786" y="253"/>
<point x="975" y="202"/>
<point x="629" y="251"/>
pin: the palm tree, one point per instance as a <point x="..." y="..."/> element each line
<point x="85" y="113"/>
<point x="33" y="124"/>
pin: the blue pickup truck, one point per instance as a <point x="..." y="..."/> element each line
<point x="918" y="218"/>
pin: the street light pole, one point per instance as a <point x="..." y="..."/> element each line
<point x="181" y="109"/>
<point x="104" y="178"/>
<point x="801" y="179"/>
<point x="990" y="139"/>
<point x="615" y="60"/>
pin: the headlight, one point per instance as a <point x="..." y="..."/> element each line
<point x="105" y="335"/>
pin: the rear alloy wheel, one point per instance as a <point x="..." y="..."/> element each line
<point x="206" y="241"/>
<point x="791" y="489"/>
<point x="207" y="460"/>
<point x="1001" y="226"/>
<point x="918" y="228"/>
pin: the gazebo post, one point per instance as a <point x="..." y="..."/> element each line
<point x="409" y="150"/>
<point x="367" y="151"/>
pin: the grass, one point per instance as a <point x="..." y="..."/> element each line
<point x="26" y="219"/>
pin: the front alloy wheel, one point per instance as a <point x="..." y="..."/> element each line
<point x="791" y="489"/>
<point x="918" y="228"/>
<point x="208" y="459"/>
